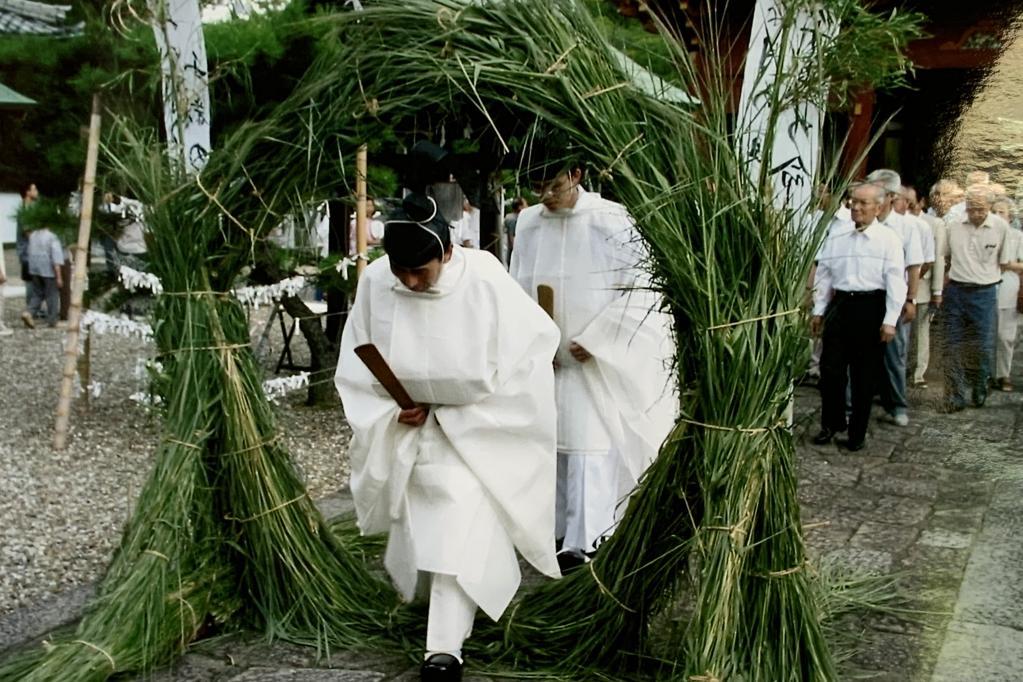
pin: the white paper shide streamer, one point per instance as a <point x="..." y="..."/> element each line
<point x="133" y="280"/>
<point x="101" y="323"/>
<point x="186" y="96"/>
<point x="264" y="295"/>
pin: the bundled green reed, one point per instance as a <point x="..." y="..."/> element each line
<point x="224" y="533"/>
<point x="224" y="524"/>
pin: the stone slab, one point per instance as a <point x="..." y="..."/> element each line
<point x="992" y="589"/>
<point x="865" y="560"/>
<point x="974" y="651"/>
<point x="884" y="537"/>
<point x="22" y="626"/>
<point x="945" y="538"/>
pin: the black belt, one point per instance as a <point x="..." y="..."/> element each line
<point x="873" y="292"/>
<point x="971" y="285"/>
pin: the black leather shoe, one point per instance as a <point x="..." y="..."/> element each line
<point x="824" y="437"/>
<point x="441" y="668"/>
<point x="853" y="445"/>
<point x="570" y="560"/>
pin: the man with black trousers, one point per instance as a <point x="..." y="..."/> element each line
<point x="859" y="292"/>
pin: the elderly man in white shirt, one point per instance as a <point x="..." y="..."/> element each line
<point x="1008" y="293"/>
<point x="893" y="384"/>
<point x="976" y="256"/>
<point x="932" y="279"/>
<point x="859" y="293"/>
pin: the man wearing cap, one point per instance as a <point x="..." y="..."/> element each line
<point x="467" y="476"/>
<point x="616" y="402"/>
<point x="893" y="377"/>
<point x="976" y="254"/>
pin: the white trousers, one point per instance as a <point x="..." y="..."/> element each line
<point x="1008" y="321"/>
<point x="452" y="612"/>
<point x="587" y="495"/>
<point x="922" y="342"/>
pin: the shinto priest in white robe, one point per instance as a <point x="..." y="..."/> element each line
<point x="461" y="493"/>
<point x="616" y="408"/>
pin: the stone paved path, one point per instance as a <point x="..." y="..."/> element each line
<point x="938" y="503"/>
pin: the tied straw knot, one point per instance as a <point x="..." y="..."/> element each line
<point x="196" y="349"/>
<point x="606" y="173"/>
<point x="267" y="512"/>
<point x="736" y="531"/>
<point x="783" y="572"/>
<point x="606" y="592"/>
<point x="110" y="659"/>
<point x="748" y="430"/>
<point x="729" y="325"/>
<point x="184" y="444"/>
<point x="258" y="446"/>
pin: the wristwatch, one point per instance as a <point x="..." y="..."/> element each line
<point x="911" y="300"/>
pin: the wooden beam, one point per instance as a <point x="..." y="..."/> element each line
<point x="78" y="281"/>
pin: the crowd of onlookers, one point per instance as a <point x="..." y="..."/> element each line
<point x="894" y="260"/>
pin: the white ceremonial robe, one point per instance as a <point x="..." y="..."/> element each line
<point x="459" y="494"/>
<point x="621" y="403"/>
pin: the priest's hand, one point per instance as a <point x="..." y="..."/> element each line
<point x="887" y="333"/>
<point x="415" y="416"/>
<point x="578" y="352"/>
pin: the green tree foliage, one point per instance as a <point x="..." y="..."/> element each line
<point x="253" y="63"/>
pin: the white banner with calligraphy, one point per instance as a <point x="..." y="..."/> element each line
<point x="784" y="45"/>
<point x="186" y="95"/>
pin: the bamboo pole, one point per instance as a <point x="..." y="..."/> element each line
<point x="360" y="210"/>
<point x="78" y="281"/>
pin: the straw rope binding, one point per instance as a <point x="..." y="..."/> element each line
<point x="754" y="319"/>
<point x="266" y="512"/>
<point x="606" y="592"/>
<point x="110" y="659"/>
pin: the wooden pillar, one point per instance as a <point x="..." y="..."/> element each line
<point x="337" y="244"/>
<point x="78" y="283"/>
<point x="361" y="240"/>
<point x="861" y="117"/>
<point x="491" y="215"/>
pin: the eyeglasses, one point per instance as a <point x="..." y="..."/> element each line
<point x="861" y="202"/>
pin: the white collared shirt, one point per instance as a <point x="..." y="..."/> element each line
<point x="909" y="235"/>
<point x="1008" y="290"/>
<point x="976" y="252"/>
<point x="867" y="260"/>
<point x="933" y="282"/>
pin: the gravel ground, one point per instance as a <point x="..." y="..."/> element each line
<point x="61" y="513"/>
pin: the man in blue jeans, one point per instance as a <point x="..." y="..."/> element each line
<point x="892" y="383"/>
<point x="976" y="252"/>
